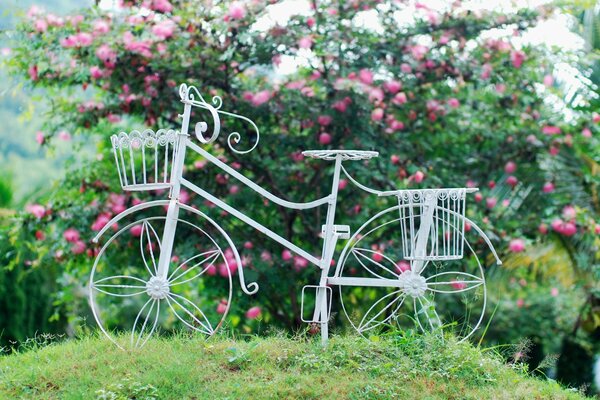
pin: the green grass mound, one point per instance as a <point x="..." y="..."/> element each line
<point x="390" y="367"/>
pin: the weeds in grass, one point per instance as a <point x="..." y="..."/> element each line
<point x="127" y="389"/>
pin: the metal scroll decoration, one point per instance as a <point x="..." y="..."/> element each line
<point x="191" y="95"/>
<point x="169" y="266"/>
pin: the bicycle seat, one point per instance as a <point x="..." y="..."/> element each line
<point x="346" y="155"/>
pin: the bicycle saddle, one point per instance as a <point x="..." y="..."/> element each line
<point x="351" y="155"/>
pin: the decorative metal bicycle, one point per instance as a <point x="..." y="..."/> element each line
<point x="402" y="261"/>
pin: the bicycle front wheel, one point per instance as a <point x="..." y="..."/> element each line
<point x="130" y="300"/>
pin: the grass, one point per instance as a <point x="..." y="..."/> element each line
<point x="276" y="367"/>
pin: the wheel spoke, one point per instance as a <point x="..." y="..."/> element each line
<point x="426" y="309"/>
<point x="208" y="330"/>
<point x="363" y="327"/>
<point x="362" y="254"/>
<point x="209" y="256"/>
<point x="120" y="286"/>
<point x="154" y="304"/>
<point x="453" y="282"/>
<point x="146" y="244"/>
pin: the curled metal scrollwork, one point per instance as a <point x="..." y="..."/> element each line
<point x="191" y="95"/>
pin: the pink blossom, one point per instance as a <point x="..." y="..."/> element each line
<point x="40" y="138"/>
<point x="40" y="25"/>
<point x="554" y="292"/>
<point x="342" y="105"/>
<point x="548" y="80"/>
<point x="510" y="167"/>
<point x="402" y="266"/>
<point x="418" y="51"/>
<point x="342" y="184"/>
<point x="512" y="181"/>
<point x="595" y="117"/>
<point x="261" y="98"/>
<point x="37" y="210"/>
<point x="34" y="11"/>
<point x="551" y="130"/>
<point x="586" y="132"/>
<point x="458" y="285"/>
<point x="300" y="263"/>
<point x="71" y="235"/>
<point x="136" y="230"/>
<point x="54" y="20"/>
<point x="310" y="21"/>
<point x="84" y="39"/>
<point x="106" y="54"/>
<point x="113" y="118"/>
<point x="78" y="247"/>
<point x="324" y="138"/>
<point x="392" y="86"/>
<point x="96" y="72"/>
<point x="141" y="47"/>
<point x="222" y="307"/>
<point x="265" y="256"/>
<point x="490" y="202"/>
<point x="486" y="71"/>
<point x="377" y="114"/>
<point x="377" y="257"/>
<point x="253" y="312"/>
<point x="237" y="10"/>
<point x="365" y="76"/>
<point x="569" y="229"/>
<point x="64" y="136"/>
<point x="164" y="29"/>
<point x="520" y="303"/>
<point x="162" y="6"/>
<point x="417" y="177"/>
<point x="399" y="99"/>
<point x="376" y="95"/>
<point x="286" y="255"/>
<point x="543" y="228"/>
<point x="548" y="187"/>
<point x="76" y="19"/>
<point x="324" y="120"/>
<point x="100" y="222"/>
<point x="453" y="102"/>
<point x="478" y="197"/>
<point x="406" y="68"/>
<point x="516" y="58"/>
<point x="39" y="235"/>
<point x="332" y="11"/>
<point x="33" y="72"/>
<point x="569" y="213"/>
<point x="516" y="245"/>
<point x="597" y="229"/>
<point x="395" y="159"/>
<point x="101" y="26"/>
<point x="305" y="42"/>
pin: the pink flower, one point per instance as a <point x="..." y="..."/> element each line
<point x="543" y="228"/>
<point x="554" y="292"/>
<point x="453" y="102"/>
<point x="101" y="26"/>
<point x="237" y="10"/>
<point x="377" y="257"/>
<point x="78" y="247"/>
<point x="305" y="42"/>
<point x="37" y="210"/>
<point x="265" y="256"/>
<point x="406" y="68"/>
<point x="40" y="25"/>
<point x="324" y="120"/>
<point x="490" y="202"/>
<point x="164" y="29"/>
<point x="71" y="235"/>
<point x="551" y="130"/>
<point x="377" y="114"/>
<point x="106" y="54"/>
<point x="510" y="167"/>
<point x="376" y="95"/>
<point x="486" y="71"/>
<point x="586" y="132"/>
<point x="136" y="230"/>
<point x="517" y="57"/>
<point x="96" y="72"/>
<point x="40" y="138"/>
<point x="253" y="312"/>
<point x="392" y="86"/>
<point x="458" y="285"/>
<point x="569" y="229"/>
<point x="342" y="184"/>
<point x="33" y="72"/>
<point x="310" y="22"/>
<point x="417" y="177"/>
<point x="548" y="80"/>
<point x="395" y="159"/>
<point x="516" y="245"/>
<point x="300" y="263"/>
<point x="162" y="6"/>
<point x="569" y="213"/>
<point x="64" y="136"/>
<point x="512" y="181"/>
<point x="418" y="51"/>
<point x="141" y="47"/>
<point x="324" y="138"/>
<point x="548" y="187"/>
<point x="365" y="76"/>
<point x="222" y="307"/>
<point x="100" y="222"/>
<point x="520" y="303"/>
<point x="402" y="266"/>
<point x="261" y="98"/>
<point x="595" y="117"/>
<point x="84" y="39"/>
<point x="113" y="118"/>
<point x="286" y="255"/>
<point x="399" y="99"/>
<point x="340" y="105"/>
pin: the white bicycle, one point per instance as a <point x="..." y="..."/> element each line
<point x="404" y="266"/>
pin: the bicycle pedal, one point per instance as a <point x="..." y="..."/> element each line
<point x="342" y="231"/>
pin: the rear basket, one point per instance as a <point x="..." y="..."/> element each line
<point x="145" y="159"/>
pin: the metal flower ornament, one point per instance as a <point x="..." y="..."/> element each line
<point x="404" y="266"/>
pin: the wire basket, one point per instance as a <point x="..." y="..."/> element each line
<point x="145" y="159"/>
<point x="432" y="223"/>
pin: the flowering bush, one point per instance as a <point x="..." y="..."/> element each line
<point x="445" y="103"/>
